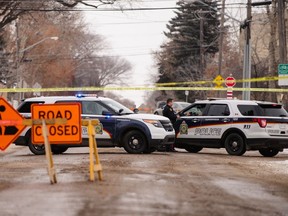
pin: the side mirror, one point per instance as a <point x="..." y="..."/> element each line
<point x="107" y="113"/>
<point x="136" y="111"/>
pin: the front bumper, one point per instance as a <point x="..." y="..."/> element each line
<point x="168" y="140"/>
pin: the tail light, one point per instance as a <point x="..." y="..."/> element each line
<point x="262" y="122"/>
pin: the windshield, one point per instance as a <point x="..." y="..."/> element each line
<point x="117" y="107"/>
<point x="184" y="105"/>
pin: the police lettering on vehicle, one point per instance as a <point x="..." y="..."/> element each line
<point x="208" y="131"/>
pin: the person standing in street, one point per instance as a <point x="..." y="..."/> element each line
<point x="169" y="113"/>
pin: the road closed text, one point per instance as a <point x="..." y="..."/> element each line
<point x="58" y="133"/>
<point x="59" y="130"/>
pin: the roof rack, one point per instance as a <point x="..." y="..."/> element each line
<point x="212" y="98"/>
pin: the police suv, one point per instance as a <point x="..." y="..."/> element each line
<point x="137" y="133"/>
<point x="236" y="125"/>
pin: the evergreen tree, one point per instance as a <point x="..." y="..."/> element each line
<point x="180" y="59"/>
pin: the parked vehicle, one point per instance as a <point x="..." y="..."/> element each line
<point x="236" y="125"/>
<point x="137" y="133"/>
<point x="177" y="107"/>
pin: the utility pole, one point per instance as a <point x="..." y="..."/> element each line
<point x="221" y="42"/>
<point x="17" y="60"/>
<point x="221" y="38"/>
<point x="201" y="43"/>
<point x="247" y="53"/>
<point x="282" y="32"/>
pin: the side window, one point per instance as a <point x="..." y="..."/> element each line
<point x="195" y="110"/>
<point x="249" y="110"/>
<point x="25" y="107"/>
<point x="218" y="110"/>
<point x="92" y="108"/>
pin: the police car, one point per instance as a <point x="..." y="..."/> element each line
<point x="236" y="125"/>
<point x="120" y="127"/>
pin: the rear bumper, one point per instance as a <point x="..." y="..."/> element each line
<point x="256" y="144"/>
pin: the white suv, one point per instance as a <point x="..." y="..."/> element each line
<point x="137" y="133"/>
<point x="236" y="125"/>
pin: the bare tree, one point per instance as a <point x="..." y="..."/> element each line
<point x="101" y="71"/>
<point x="10" y="10"/>
<point x="51" y="63"/>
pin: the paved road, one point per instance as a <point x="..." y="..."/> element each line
<point x="208" y="183"/>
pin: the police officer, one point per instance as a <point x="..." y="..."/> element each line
<point x="169" y="113"/>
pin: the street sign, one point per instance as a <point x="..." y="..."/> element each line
<point x="230" y="81"/>
<point x="69" y="133"/>
<point x="218" y="81"/>
<point x="9" y="133"/>
<point x="283" y="74"/>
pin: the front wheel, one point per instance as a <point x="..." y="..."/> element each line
<point x="269" y="152"/>
<point x="36" y="149"/>
<point x="235" y="145"/>
<point x="134" y="142"/>
<point x="56" y="149"/>
<point x="193" y="149"/>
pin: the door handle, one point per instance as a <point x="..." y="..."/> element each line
<point x="226" y="120"/>
<point x="195" y="120"/>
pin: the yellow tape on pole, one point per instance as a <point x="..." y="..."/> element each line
<point x="157" y="87"/>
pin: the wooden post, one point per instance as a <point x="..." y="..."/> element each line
<point x="48" y="153"/>
<point x="93" y="151"/>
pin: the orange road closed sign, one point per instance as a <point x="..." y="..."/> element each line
<point x="69" y="133"/>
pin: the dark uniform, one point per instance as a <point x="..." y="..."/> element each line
<point x="169" y="113"/>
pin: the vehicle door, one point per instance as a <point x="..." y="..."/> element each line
<point x="105" y="132"/>
<point x="190" y="121"/>
<point x="215" y="122"/>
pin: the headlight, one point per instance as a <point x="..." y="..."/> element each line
<point x="156" y="123"/>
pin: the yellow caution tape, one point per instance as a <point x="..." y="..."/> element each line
<point x="259" y="79"/>
<point x="159" y="87"/>
<point x="83" y="89"/>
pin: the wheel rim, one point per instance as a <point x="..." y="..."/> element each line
<point x="234" y="145"/>
<point x="135" y="142"/>
<point x="39" y="147"/>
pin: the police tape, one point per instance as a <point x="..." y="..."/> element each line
<point x="259" y="79"/>
<point x="143" y="88"/>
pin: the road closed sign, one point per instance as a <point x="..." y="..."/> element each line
<point x="69" y="133"/>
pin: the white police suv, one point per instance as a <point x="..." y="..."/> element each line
<point x="120" y="127"/>
<point x="236" y="125"/>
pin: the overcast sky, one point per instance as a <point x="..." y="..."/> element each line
<point x="134" y="35"/>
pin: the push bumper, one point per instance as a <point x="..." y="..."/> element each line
<point x="168" y="140"/>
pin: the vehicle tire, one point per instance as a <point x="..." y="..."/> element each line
<point x="193" y="149"/>
<point x="161" y="148"/>
<point x="235" y="144"/>
<point x="269" y="152"/>
<point x="134" y="142"/>
<point x="36" y="149"/>
<point x="56" y="149"/>
<point x="150" y="150"/>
